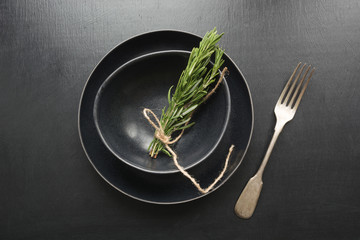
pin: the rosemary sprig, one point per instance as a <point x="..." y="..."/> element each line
<point x="191" y="89"/>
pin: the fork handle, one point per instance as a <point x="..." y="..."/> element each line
<point x="246" y="204"/>
<point x="278" y="128"/>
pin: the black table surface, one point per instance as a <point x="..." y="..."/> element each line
<point x="49" y="190"/>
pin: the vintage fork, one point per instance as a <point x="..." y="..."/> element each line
<point x="284" y="112"/>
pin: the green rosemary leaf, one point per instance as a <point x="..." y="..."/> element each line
<point x="188" y="110"/>
<point x="169" y="94"/>
<point x="181" y="123"/>
<point x="166" y="152"/>
<point x="186" y="126"/>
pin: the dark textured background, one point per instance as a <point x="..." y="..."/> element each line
<point x="48" y="189"/>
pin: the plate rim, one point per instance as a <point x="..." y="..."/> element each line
<point x="135" y="197"/>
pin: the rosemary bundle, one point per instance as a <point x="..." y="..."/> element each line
<point x="191" y="90"/>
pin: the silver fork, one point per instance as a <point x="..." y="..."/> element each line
<point x="284" y="112"/>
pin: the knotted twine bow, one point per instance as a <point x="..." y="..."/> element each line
<point x="166" y="140"/>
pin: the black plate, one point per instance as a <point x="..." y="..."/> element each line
<point x="145" y="82"/>
<point x="164" y="188"/>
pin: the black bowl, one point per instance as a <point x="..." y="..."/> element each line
<point x="144" y="83"/>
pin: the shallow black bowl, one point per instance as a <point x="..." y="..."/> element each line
<point x="144" y="82"/>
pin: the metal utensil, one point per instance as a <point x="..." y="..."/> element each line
<point x="285" y="110"/>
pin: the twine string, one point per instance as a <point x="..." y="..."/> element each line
<point x="159" y="134"/>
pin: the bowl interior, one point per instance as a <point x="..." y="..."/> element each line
<point x="144" y="83"/>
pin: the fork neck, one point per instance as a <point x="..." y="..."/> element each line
<point x="279" y="125"/>
<point x="278" y="128"/>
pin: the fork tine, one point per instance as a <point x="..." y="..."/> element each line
<point x="288" y="84"/>
<point x="298" y="86"/>
<point x="303" y="90"/>
<point x="293" y="85"/>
